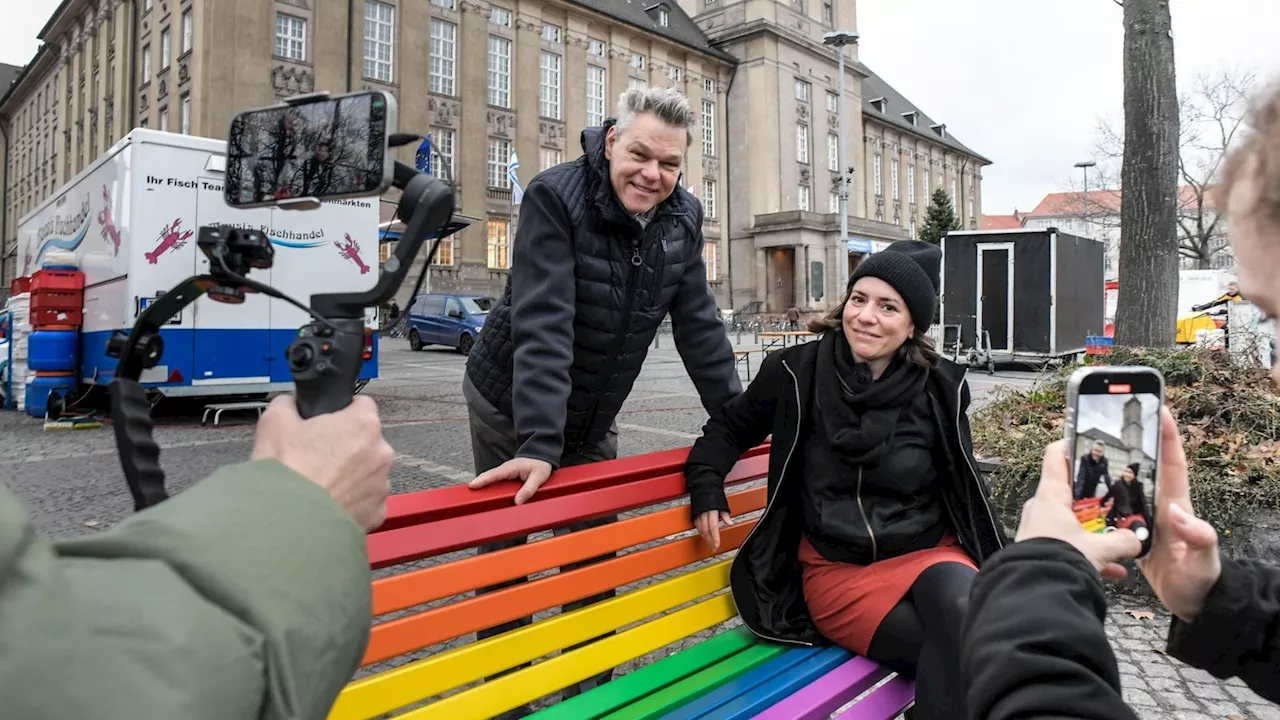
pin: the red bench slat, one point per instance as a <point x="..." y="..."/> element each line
<point x="416" y="508"/>
<point x="392" y="547"/>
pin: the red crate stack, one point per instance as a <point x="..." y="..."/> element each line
<point x="57" y="299"/>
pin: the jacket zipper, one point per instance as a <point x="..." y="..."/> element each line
<point x="865" y="519"/>
<point x="636" y="262"/>
<point x="795" y="383"/>
<point x="977" y="479"/>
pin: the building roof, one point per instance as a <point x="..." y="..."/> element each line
<point x="1071" y="204"/>
<point x="643" y="14"/>
<point x="1002" y="222"/>
<point x="897" y="109"/>
<point x="8" y="74"/>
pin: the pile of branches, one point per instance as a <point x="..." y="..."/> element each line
<point x="1229" y="416"/>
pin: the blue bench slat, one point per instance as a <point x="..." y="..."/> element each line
<point x="776" y="689"/>
<point x="747" y="682"/>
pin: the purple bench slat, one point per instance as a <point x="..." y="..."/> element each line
<point x="888" y="701"/>
<point x="826" y="694"/>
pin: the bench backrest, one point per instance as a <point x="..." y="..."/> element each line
<point x="423" y="614"/>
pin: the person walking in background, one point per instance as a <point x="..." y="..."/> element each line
<point x="607" y="247"/>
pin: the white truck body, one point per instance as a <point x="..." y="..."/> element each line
<point x="132" y="219"/>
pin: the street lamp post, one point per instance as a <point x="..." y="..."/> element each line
<point x="838" y="39"/>
<point x="1084" y="167"/>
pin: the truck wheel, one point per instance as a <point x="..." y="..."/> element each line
<point x="415" y="341"/>
<point x="465" y="343"/>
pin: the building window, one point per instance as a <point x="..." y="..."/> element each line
<point x="595" y="96"/>
<point x="709" y="86"/>
<point x="711" y="258"/>
<point x="708" y="128"/>
<point x="446" y="4"/>
<point x="549" y="86"/>
<point x="634" y="83"/>
<point x="499" y="156"/>
<point x="499" y="236"/>
<point x="637" y="61"/>
<point x="146" y="64"/>
<point x="386" y="250"/>
<point x="833" y="152"/>
<point x="184" y="117"/>
<point x="664" y="18"/>
<point x="444" y="253"/>
<point x="675" y="74"/>
<point x="164" y="119"/>
<point x="971" y="205"/>
<point x="499" y="72"/>
<point x="596" y="48"/>
<point x="828" y="16"/>
<point x="953" y="189"/>
<point x="802" y="90"/>
<point x="833" y="202"/>
<point x="802" y="143"/>
<point x="442" y="144"/>
<point x="550" y="158"/>
<point x="915" y="234"/>
<point x="551" y="33"/>
<point x="911" y="183"/>
<point x="802" y="197"/>
<point x="291" y="37"/>
<point x="877" y="170"/>
<point x="443" y="56"/>
<point x="188" y="31"/>
<point x="709" y="199"/>
<point x="833" y="102"/>
<point x="500" y="16"/>
<point x="928" y="191"/>
<point x="166" y="46"/>
<point x="893" y="178"/>
<point x="379" y="24"/>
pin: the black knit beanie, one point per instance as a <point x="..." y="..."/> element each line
<point x="914" y="269"/>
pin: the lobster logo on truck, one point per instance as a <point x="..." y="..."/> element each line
<point x="110" y="232"/>
<point x="171" y="238"/>
<point x="350" y="250"/>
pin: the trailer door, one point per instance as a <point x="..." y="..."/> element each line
<point x="232" y="342"/>
<point x="995" y="294"/>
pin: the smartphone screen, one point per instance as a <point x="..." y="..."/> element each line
<point x="1116" y="450"/>
<point x="330" y="148"/>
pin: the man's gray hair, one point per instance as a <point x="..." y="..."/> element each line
<point x="669" y="105"/>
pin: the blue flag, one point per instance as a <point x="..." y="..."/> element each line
<point x="423" y="160"/>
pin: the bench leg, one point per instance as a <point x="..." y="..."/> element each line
<point x="592" y="682"/>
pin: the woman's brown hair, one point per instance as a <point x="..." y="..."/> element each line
<point x="917" y="350"/>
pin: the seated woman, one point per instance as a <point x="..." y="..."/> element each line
<point x="1129" y="506"/>
<point x="877" y="517"/>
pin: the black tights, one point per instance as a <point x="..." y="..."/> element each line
<point x="921" y="636"/>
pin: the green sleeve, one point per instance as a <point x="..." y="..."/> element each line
<point x="247" y="595"/>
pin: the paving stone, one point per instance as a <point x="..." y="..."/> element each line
<point x="1133" y="681"/>
<point x="1197" y="675"/>
<point x="1190" y="715"/>
<point x="1167" y="684"/>
<point x="1151" y="713"/>
<point x="1222" y="709"/>
<point x="1265" y="712"/>
<point x="1138" y="697"/>
<point x="1178" y="701"/>
<point x="1245" y="695"/>
<point x="1207" y="691"/>
<point x="1155" y="669"/>
<point x="1126" y="668"/>
<point x="1235" y="681"/>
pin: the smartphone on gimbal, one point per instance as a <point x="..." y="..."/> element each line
<point x="1113" y="441"/>
<point x="311" y="148"/>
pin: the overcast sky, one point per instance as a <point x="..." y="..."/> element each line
<point x="1106" y="413"/>
<point x="1023" y="82"/>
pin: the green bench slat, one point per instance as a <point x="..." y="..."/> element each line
<point x="627" y="689"/>
<point x="698" y="684"/>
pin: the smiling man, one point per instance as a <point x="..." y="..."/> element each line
<point x="607" y="247"/>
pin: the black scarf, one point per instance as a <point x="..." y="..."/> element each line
<point x="858" y="414"/>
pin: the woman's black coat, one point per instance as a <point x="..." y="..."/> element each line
<point x="766" y="576"/>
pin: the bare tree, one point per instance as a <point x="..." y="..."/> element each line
<point x="1211" y="112"/>
<point x="1147" y="305"/>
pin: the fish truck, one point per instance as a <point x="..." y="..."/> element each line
<point x="125" y="229"/>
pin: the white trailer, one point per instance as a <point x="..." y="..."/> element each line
<point x="132" y="219"/>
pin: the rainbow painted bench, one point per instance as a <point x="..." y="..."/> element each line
<point x="672" y="594"/>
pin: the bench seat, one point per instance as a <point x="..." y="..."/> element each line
<point x="671" y="589"/>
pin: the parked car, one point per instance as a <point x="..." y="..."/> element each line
<point x="447" y="319"/>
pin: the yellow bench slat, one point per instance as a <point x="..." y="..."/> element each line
<point x="431" y="676"/>
<point x="531" y="683"/>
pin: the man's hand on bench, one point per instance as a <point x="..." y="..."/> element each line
<point x="528" y="470"/>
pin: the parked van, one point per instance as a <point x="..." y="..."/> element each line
<point x="447" y="319"/>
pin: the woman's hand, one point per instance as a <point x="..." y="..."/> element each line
<point x="708" y="525"/>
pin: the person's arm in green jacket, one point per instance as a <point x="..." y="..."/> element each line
<point x="245" y="596"/>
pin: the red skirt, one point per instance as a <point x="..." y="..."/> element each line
<point x="848" y="602"/>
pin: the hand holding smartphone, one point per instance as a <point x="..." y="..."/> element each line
<point x="1113" y="441"/>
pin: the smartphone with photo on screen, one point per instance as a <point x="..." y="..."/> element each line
<point x="1113" y="441"/>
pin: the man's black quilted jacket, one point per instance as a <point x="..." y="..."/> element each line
<point x="587" y="291"/>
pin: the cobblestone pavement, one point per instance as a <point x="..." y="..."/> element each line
<point x="72" y="484"/>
